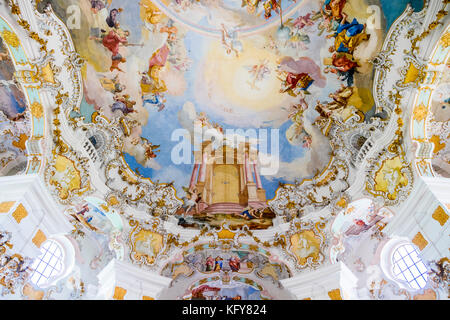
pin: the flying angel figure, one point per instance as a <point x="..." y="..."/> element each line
<point x="230" y="41"/>
<point x="258" y="72"/>
<point x="191" y="199"/>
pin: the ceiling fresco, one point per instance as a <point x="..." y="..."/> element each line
<point x="228" y="146"/>
<point x="166" y="73"/>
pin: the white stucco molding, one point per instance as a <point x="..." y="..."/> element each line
<point x="317" y="284"/>
<point x="135" y="280"/>
<point x="416" y="215"/>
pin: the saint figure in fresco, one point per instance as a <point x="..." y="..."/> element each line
<point x="333" y="9"/>
<point x="112" y="41"/>
<point x="159" y="57"/>
<point x="123" y="103"/>
<point x="218" y="263"/>
<point x="113" y="18"/>
<point x="112" y="85"/>
<point x="99" y="13"/>
<point x="209" y="264"/>
<point x="348" y="36"/>
<point x="340" y="101"/>
<point x="235" y="263"/>
<point x="299" y="75"/>
<point x="191" y="199"/>
<point x="344" y="65"/>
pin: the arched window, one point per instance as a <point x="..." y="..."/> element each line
<point x="408" y="266"/>
<point x="49" y="264"/>
<point x="401" y="262"/>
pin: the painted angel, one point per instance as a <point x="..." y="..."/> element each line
<point x="303" y="21"/>
<point x="150" y="149"/>
<point x="230" y="41"/>
<point x="258" y="72"/>
<point x="191" y="199"/>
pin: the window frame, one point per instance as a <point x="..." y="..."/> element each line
<point x="45" y="258"/>
<point x="67" y="261"/>
<point x="388" y="262"/>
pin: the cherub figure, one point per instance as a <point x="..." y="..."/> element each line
<point x="202" y="118"/>
<point x="150" y="149"/>
<point x="258" y="73"/>
<point x="296" y="111"/>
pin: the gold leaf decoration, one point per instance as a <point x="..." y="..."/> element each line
<point x="39" y="238"/>
<point x="119" y="293"/>
<point x="420" y="112"/>
<point x="445" y="40"/>
<point x="20" y="213"/>
<point x="419" y="241"/>
<point x="37" y="110"/>
<point x="10" y="38"/>
<point x="440" y="216"/>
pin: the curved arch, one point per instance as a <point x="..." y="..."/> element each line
<point x="217" y="33"/>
